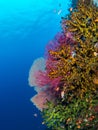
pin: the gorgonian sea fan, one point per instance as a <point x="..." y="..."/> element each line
<point x="41" y="78"/>
<point x="38" y="65"/>
<point x="43" y="85"/>
<point x="38" y="79"/>
<point x="38" y="76"/>
<point x="40" y="99"/>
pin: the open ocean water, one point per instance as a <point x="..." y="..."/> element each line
<point x="26" y="26"/>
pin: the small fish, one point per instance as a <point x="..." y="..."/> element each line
<point x="73" y="54"/>
<point x="57" y="89"/>
<point x="43" y="123"/>
<point x="71" y="9"/>
<point x="59" y="12"/>
<point x="35" y="115"/>
<point x="62" y="94"/>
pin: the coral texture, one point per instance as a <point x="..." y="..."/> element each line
<point x="67" y="79"/>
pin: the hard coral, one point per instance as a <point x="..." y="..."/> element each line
<point x="83" y="22"/>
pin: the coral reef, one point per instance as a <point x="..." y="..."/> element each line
<point x="79" y="114"/>
<point x="66" y="81"/>
<point x="83" y="22"/>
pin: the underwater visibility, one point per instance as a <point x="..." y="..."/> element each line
<point x="65" y="79"/>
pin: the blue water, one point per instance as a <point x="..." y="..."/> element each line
<point x="26" y="26"/>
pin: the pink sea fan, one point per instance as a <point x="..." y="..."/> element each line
<point x="41" y="78"/>
<point x="38" y="65"/>
<point x="41" y="98"/>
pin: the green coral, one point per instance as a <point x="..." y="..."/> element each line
<point x="78" y="114"/>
